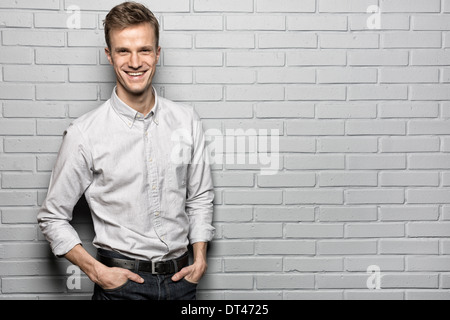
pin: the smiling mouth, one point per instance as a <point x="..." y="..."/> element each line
<point x="135" y="74"/>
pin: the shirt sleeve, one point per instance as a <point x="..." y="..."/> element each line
<point x="200" y="189"/>
<point x="70" y="178"/>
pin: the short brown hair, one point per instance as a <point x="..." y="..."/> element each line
<point x="129" y="14"/>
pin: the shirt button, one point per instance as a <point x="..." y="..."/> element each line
<point x="157" y="213"/>
<point x="154" y="187"/>
<point x="150" y="160"/>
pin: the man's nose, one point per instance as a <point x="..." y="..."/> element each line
<point x="135" y="61"/>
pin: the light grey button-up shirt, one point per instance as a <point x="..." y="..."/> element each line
<point x="146" y="179"/>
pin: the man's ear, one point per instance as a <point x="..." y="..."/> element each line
<point x="158" y="54"/>
<point x="108" y="55"/>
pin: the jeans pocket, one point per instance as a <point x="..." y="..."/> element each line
<point x="118" y="288"/>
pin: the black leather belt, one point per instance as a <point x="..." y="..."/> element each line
<point x="157" y="268"/>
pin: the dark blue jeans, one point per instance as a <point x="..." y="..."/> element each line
<point x="155" y="287"/>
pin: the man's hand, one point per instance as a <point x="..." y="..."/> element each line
<point x="194" y="272"/>
<point x="105" y="277"/>
<point x="112" y="278"/>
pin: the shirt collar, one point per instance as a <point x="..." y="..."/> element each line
<point x="128" y="114"/>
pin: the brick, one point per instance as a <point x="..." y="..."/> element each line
<point x="33" y="284"/>
<point x="322" y="22"/>
<point x="287" y="180"/>
<point x="284" y="214"/>
<point x="346" y="111"/>
<point x="399" y="213"/>
<point x="405" y="6"/>
<point x="71" y="92"/>
<point x="25" y="145"/>
<point x="92" y="74"/>
<point x="378" y="92"/>
<point x="17" y="127"/>
<point x="18" y="20"/>
<point x="252" y="264"/>
<point x="387" y="22"/>
<point x="223" y="6"/>
<point x="417" y="39"/>
<point x="186" y="58"/>
<point x="286" y="281"/>
<point x="432" y="161"/>
<point x="348" y="281"/>
<point x="307" y="162"/>
<point x="16" y="91"/>
<point x="155" y="6"/>
<point x="60" y="20"/>
<point x="363" y="196"/>
<point x="238" y="110"/>
<point x="314" y="127"/>
<point x="16" y="198"/>
<point x="30" y="4"/>
<point x="252" y="230"/>
<point x="346" y="75"/>
<point x="314" y="230"/>
<point x="378" y="58"/>
<point x="375" y="127"/>
<point x="427" y="196"/>
<point x="86" y="39"/>
<point x="287" y="40"/>
<point x="17" y="163"/>
<point x="385" y="263"/>
<point x="362" y="162"/>
<point x="253" y="197"/>
<point x="284" y="110"/>
<point x="286" y="75"/>
<point x="225" y="75"/>
<point x="430" y="22"/>
<point x="409" y="75"/>
<point x="255" y="59"/>
<point x="34" y="74"/>
<point x="345" y="5"/>
<point x="225" y="40"/>
<point x="374" y="230"/>
<point x="409" y="246"/>
<point x="260" y="22"/>
<point x="340" y="179"/>
<point x="316" y="93"/>
<point x="19" y="215"/>
<point x="16" y="55"/>
<point x="346" y="247"/>
<point x="70" y="56"/>
<point x="409" y="280"/>
<point x="409" y="179"/>
<point x="33" y="110"/>
<point x="347" y="145"/>
<point x="194" y="93"/>
<point x="316" y="58"/>
<point x="322" y="196"/>
<point x="408" y="110"/>
<point x="426" y="263"/>
<point x="348" y="41"/>
<point x="313" y="264"/>
<point x="428" y="92"/>
<point x="353" y="213"/>
<point x="286" y="6"/>
<point x="409" y="144"/>
<point x="33" y="38"/>
<point x="193" y="22"/>
<point x="258" y="93"/>
<point x="286" y="247"/>
<point x="430" y="57"/>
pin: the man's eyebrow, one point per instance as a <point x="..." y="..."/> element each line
<point x="121" y="49"/>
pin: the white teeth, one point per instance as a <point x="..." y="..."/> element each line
<point x="136" y="74"/>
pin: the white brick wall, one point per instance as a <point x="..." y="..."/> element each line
<point x="363" y="123"/>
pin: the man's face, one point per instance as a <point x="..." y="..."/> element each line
<point x="134" y="56"/>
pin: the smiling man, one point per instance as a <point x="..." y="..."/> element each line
<point x="147" y="206"/>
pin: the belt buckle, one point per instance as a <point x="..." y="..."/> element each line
<point x="159" y="267"/>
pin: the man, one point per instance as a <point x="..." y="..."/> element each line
<point x="128" y="157"/>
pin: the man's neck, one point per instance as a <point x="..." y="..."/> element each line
<point x="141" y="103"/>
